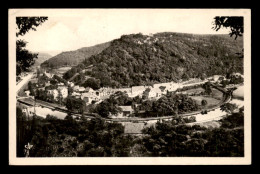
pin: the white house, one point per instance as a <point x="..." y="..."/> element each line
<point x="90" y="90"/>
<point x="89" y="97"/>
<point x="237" y="75"/>
<point x="27" y="92"/>
<point x="156" y="92"/>
<point x="49" y="75"/>
<point x="76" y="94"/>
<point x="71" y="84"/>
<point x="64" y="91"/>
<point x="137" y="90"/>
<point x="105" y="92"/>
<point x="48" y="83"/>
<point x="76" y="88"/>
<point x="81" y="89"/>
<point x="54" y="93"/>
<point x="171" y="86"/>
<point x="88" y="100"/>
<point x="61" y="84"/>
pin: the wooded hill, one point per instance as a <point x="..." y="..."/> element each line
<point x="138" y="59"/>
<point x="72" y="58"/>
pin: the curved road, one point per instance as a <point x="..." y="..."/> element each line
<point x="23" y="82"/>
<point x="214" y="110"/>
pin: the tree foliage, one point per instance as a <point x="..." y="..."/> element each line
<point x="167" y="139"/>
<point x="204" y="102"/>
<point x="74" y="104"/>
<point x="163" y="57"/>
<point x="25" y="24"/>
<point x="24" y="58"/>
<point x="236" y="24"/>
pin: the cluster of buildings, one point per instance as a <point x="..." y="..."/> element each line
<point x="96" y="96"/>
<point x="61" y="90"/>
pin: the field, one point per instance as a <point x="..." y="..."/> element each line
<point x="192" y="91"/>
<point x="216" y="94"/>
<point x="62" y="70"/>
<point x="239" y="93"/>
<point x="211" y="101"/>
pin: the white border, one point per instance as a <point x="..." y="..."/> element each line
<point x="13" y="160"/>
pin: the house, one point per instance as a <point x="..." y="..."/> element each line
<point x="41" y="88"/>
<point x="49" y="75"/>
<point x="103" y="92"/>
<point x="28" y="112"/>
<point x="171" y="86"/>
<point x="126" y="111"/>
<point x="87" y="100"/>
<point x="61" y="84"/>
<point x="81" y="89"/>
<point x="138" y="90"/>
<point x="237" y="75"/>
<point x="76" y="95"/>
<point x="125" y="90"/>
<point x="48" y="83"/>
<point x="90" y="90"/>
<point x="27" y="92"/>
<point x="64" y="91"/>
<point x="71" y="84"/>
<point x="156" y="93"/>
<point x="54" y="93"/>
<point x="216" y="77"/>
<point x="76" y="88"/>
<point x="89" y="97"/>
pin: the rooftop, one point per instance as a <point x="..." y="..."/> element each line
<point x="126" y="108"/>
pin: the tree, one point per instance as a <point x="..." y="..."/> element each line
<point x="92" y="83"/>
<point x="75" y="104"/>
<point x="228" y="107"/>
<point x="38" y="72"/>
<point x="60" y="97"/>
<point x="146" y="93"/>
<point x="207" y="88"/>
<point x="236" y="24"/>
<point x="24" y="58"/>
<point x="224" y="83"/>
<point x="24" y="24"/>
<point x="162" y="88"/>
<point x="204" y="102"/>
<point x="70" y="90"/>
<point x="69" y="103"/>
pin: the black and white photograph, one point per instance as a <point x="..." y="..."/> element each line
<point x="126" y="86"/>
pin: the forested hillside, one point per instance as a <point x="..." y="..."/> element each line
<point x="72" y="58"/>
<point x="140" y="59"/>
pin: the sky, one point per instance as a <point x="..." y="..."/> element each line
<point x="67" y="30"/>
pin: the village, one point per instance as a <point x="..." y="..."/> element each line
<point x="58" y="93"/>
